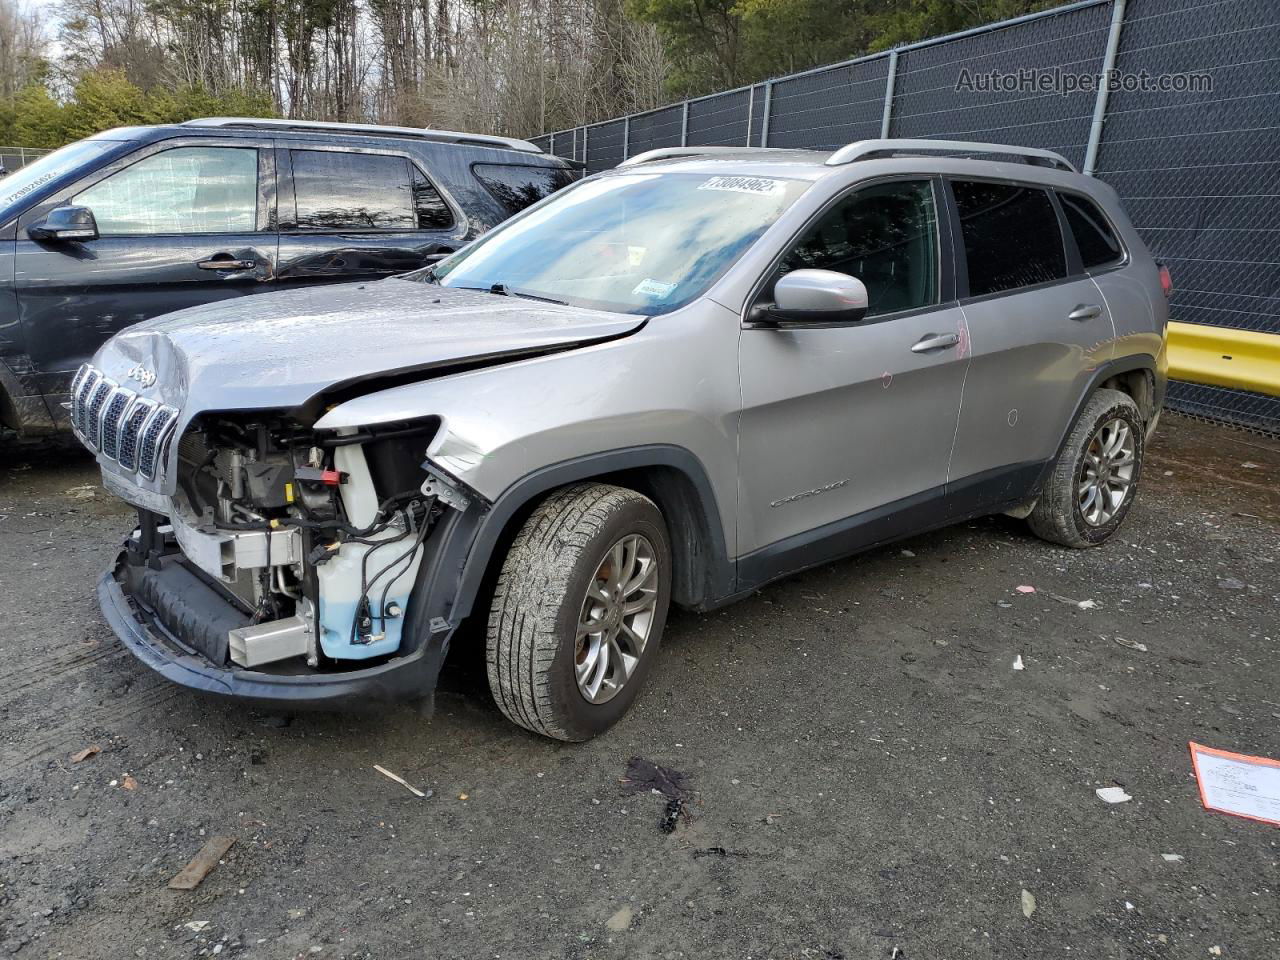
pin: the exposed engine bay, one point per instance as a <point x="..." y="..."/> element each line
<point x="315" y="539"/>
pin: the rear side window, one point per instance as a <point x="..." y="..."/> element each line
<point x="364" y="191"/>
<point x="516" y="185"/>
<point x="1011" y="236"/>
<point x="1095" y="239"/>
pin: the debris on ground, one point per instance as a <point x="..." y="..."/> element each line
<point x="128" y="782"/>
<point x="620" y="920"/>
<point x="908" y="553"/>
<point x="717" y="852"/>
<point x="645" y="776"/>
<point x="88" y="491"/>
<point x="671" y="816"/>
<point x="190" y="876"/>
<point x="1025" y="589"/>
<point x="1078" y="604"/>
<point x="1018" y="664"/>
<point x="1131" y="644"/>
<point x="82" y="755"/>
<point x="1171" y="857"/>
<point x="1112" y="794"/>
<point x="402" y="781"/>
<point x="1028" y="903"/>
<point x="1237" y="783"/>
<point x="195" y="926"/>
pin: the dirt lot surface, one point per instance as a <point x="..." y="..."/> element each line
<point x="874" y="779"/>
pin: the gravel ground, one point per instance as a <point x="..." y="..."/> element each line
<point x="873" y="779"/>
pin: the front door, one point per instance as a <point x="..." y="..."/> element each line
<point x="846" y="430"/>
<point x="180" y="225"/>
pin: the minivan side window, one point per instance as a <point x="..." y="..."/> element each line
<point x="187" y="190"/>
<point x="519" y="185"/>
<point x="1011" y="236"/>
<point x="1094" y="237"/>
<point x="334" y="190"/>
<point x="886" y="235"/>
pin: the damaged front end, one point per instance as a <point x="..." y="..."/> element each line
<point x="291" y="566"/>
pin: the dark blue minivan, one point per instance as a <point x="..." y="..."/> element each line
<point x="142" y="221"/>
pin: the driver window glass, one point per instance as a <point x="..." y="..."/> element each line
<point x="180" y="191"/>
<point x="886" y="235"/>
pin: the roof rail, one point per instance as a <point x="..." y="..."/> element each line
<point x="867" y="149"/>
<point x="671" y="153"/>
<point x="366" y="130"/>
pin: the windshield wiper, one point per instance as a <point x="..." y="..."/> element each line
<point x="502" y="290"/>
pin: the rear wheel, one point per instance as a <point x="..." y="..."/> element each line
<point x="1095" y="478"/>
<point x="578" y="611"/>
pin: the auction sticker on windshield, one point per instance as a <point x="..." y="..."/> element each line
<point x="762" y="185"/>
<point x="653" y="288"/>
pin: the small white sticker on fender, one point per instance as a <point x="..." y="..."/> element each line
<point x="763" y="185"/>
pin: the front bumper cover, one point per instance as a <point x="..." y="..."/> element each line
<point x="407" y="678"/>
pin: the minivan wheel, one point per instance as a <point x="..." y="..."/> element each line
<point x="578" y="611"/>
<point x="1095" y="477"/>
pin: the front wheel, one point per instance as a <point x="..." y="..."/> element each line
<point x="578" y="611"/>
<point x="1095" y="477"/>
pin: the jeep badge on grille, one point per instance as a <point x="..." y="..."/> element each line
<point x="142" y="375"/>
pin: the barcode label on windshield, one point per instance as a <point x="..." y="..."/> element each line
<point x="745" y="185"/>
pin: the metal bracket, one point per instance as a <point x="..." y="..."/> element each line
<point x="443" y="489"/>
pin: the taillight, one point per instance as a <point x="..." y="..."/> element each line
<point x="1166" y="281"/>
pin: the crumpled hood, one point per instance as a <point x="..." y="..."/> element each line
<point x="273" y="351"/>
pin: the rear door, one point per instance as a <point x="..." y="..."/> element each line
<point x="354" y="213"/>
<point x="181" y="223"/>
<point x="1038" y="328"/>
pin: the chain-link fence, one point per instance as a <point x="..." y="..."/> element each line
<point x="11" y="158"/>
<point x="1187" y="134"/>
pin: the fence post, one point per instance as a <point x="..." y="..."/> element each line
<point x="890" y="80"/>
<point x="768" y="109"/>
<point x="585" y="151"/>
<point x="751" y="105"/>
<point x="1104" y="91"/>
<point x="551" y="145"/>
<point x="684" y="125"/>
<point x="626" y="136"/>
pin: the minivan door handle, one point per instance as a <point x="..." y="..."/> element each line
<point x="935" y="341"/>
<point x="224" y="261"/>
<point x="1085" y="311"/>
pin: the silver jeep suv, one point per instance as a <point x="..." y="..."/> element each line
<point x="672" y="382"/>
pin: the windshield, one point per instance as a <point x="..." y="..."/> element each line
<point x="646" y="243"/>
<point x="20" y="183"/>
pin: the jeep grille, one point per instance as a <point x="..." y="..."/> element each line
<point x="120" y="425"/>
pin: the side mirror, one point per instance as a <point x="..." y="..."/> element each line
<point x="65" y="223"/>
<point x="818" y="296"/>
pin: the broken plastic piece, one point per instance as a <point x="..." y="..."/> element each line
<point x="1018" y="664"/>
<point x="1112" y="794"/>
<point x="400" y="780"/>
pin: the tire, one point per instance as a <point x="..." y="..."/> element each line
<point x="535" y="651"/>
<point x="1066" y="513"/>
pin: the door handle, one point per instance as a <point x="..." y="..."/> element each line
<point x="1085" y="311"/>
<point x="222" y="261"/>
<point x="935" y="341"/>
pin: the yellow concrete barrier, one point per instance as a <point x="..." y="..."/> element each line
<point x="1225" y="358"/>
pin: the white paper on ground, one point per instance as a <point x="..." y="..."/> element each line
<point x="1238" y="784"/>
